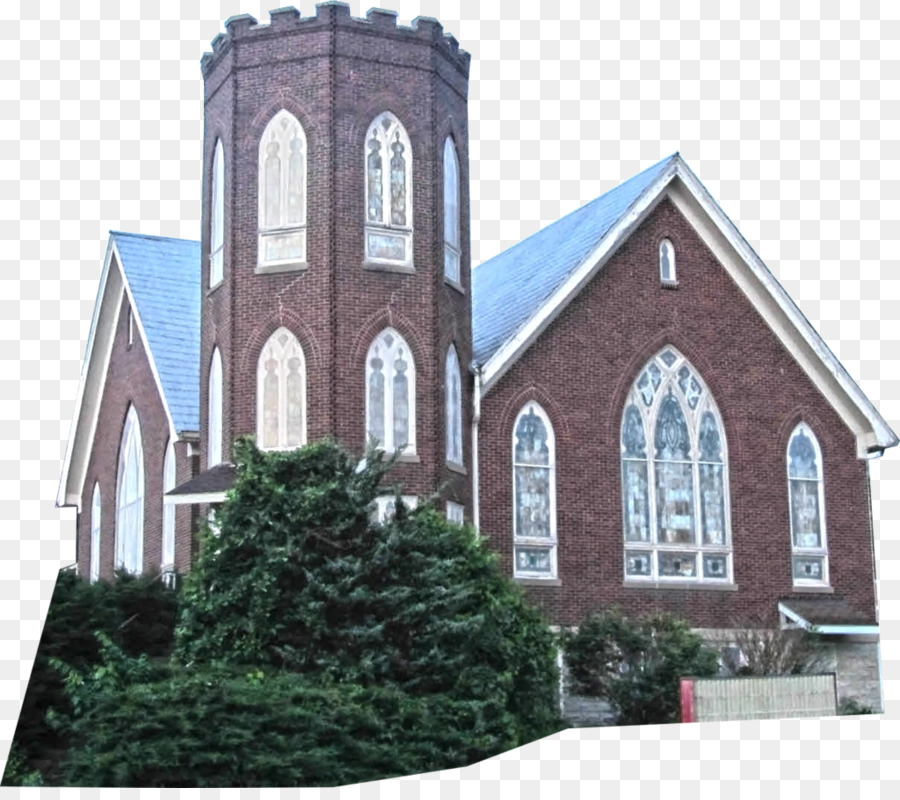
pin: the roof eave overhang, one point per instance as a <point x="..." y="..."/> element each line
<point x="827" y="630"/>
<point x="194" y="499"/>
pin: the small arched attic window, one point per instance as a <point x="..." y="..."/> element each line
<point x="667" y="272"/>
<point x="388" y="168"/>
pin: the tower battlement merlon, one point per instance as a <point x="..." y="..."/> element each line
<point x="337" y="14"/>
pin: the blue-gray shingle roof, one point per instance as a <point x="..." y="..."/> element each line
<point x="510" y="288"/>
<point x="164" y="276"/>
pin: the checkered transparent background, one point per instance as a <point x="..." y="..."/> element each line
<point x="788" y="113"/>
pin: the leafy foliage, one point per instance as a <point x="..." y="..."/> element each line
<point x="137" y="614"/>
<point x="636" y="665"/>
<point x="300" y="579"/>
<point x="850" y="706"/>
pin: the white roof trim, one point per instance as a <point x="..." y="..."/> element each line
<point x="104" y="324"/>
<point x="195" y="498"/>
<point x="848" y="630"/>
<point x="760" y="286"/>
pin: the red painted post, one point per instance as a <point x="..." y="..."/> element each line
<point x="687" y="700"/>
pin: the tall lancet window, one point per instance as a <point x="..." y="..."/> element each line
<point x="214" y="419"/>
<point x="217" y="217"/>
<point x="168" y="532"/>
<point x="453" y="408"/>
<point x="534" y="486"/>
<point x="807" y="505"/>
<point x="281" y="393"/>
<point x="130" y="498"/>
<point x="451" y="212"/>
<point x="388" y="170"/>
<point x="667" y="272"/>
<point x="674" y="477"/>
<point x="282" y="192"/>
<point x="95" y="534"/>
<point x="391" y="393"/>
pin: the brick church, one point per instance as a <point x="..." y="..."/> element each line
<point x="626" y="404"/>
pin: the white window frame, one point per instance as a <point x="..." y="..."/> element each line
<point x="167" y="556"/>
<point x="130" y="509"/>
<point x="388" y="354"/>
<point x="214" y="417"/>
<point x="282" y="129"/>
<point x="453" y="411"/>
<point x="672" y="277"/>
<point x="452" y="245"/>
<point x="456" y="513"/>
<point x="808" y="552"/>
<point x="384" y="507"/>
<point x="96" y="509"/>
<point x="386" y="128"/>
<point x="530" y="542"/>
<point x="217" y="218"/>
<point x="693" y="418"/>
<point x="273" y="349"/>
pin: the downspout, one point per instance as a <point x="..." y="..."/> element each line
<point x="476" y="417"/>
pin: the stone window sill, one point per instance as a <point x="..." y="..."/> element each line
<point x="453" y="467"/>
<point x="669" y="284"/>
<point x="380" y="266"/>
<point x="695" y="586"/>
<point x="812" y="589"/>
<point x="538" y="581"/>
<point x="274" y="269"/>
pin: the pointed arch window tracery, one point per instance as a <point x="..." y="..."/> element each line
<point x="391" y="393"/>
<point x="451" y="213"/>
<point x="388" y="188"/>
<point x="674" y="477"/>
<point x="217" y="218"/>
<point x="282" y="192"/>
<point x="809" y="560"/>
<point x="453" y="408"/>
<point x="130" y="497"/>
<point x="281" y="393"/>
<point x="95" y="534"/>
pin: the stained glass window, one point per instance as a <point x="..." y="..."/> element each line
<point x="214" y="418"/>
<point x="282" y="192"/>
<point x="168" y="532"/>
<point x="391" y="393"/>
<point x="534" y="494"/>
<point x="130" y="497"/>
<point x="217" y="217"/>
<point x="281" y="393"/>
<point x="805" y="488"/>
<point x="388" y="171"/>
<point x="453" y="409"/>
<point x="675" y="498"/>
<point x="95" y="533"/>
<point x="451" y="212"/>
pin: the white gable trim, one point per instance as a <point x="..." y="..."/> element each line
<point x="94" y="369"/>
<point x="678" y="183"/>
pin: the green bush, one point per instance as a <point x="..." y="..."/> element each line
<point x="636" y="664"/>
<point x="850" y="706"/>
<point x="300" y="579"/>
<point x="136" y="613"/>
<point x="137" y="725"/>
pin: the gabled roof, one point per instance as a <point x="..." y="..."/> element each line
<point x="520" y="292"/>
<point x="163" y="275"/>
<point x="510" y="288"/>
<point x="161" y="278"/>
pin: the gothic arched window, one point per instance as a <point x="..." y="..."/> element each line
<point x="807" y="507"/>
<point x="451" y="212"/>
<point x="282" y="192"/>
<point x="674" y="477"/>
<point x="217" y="217"/>
<point x="168" y="531"/>
<point x="391" y="393"/>
<point x="214" y="420"/>
<point x="534" y="501"/>
<point x="95" y="533"/>
<point x="388" y="171"/>
<point x="130" y="498"/>
<point x="453" y="408"/>
<point x="281" y="393"/>
<point x="667" y="272"/>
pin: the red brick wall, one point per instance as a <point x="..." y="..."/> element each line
<point x="335" y="74"/>
<point x="130" y="380"/>
<point x="617" y="323"/>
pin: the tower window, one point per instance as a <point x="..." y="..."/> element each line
<point x="391" y="393"/>
<point x="451" y="213"/>
<point x="453" y="408"/>
<point x="217" y="218"/>
<point x="214" y="420"/>
<point x="281" y="393"/>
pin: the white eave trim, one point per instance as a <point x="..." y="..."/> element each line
<point x="839" y="630"/>
<point x="853" y="408"/>
<point x="196" y="498"/>
<point x="513" y="347"/>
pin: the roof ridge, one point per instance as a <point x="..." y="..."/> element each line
<point x="152" y="236"/>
